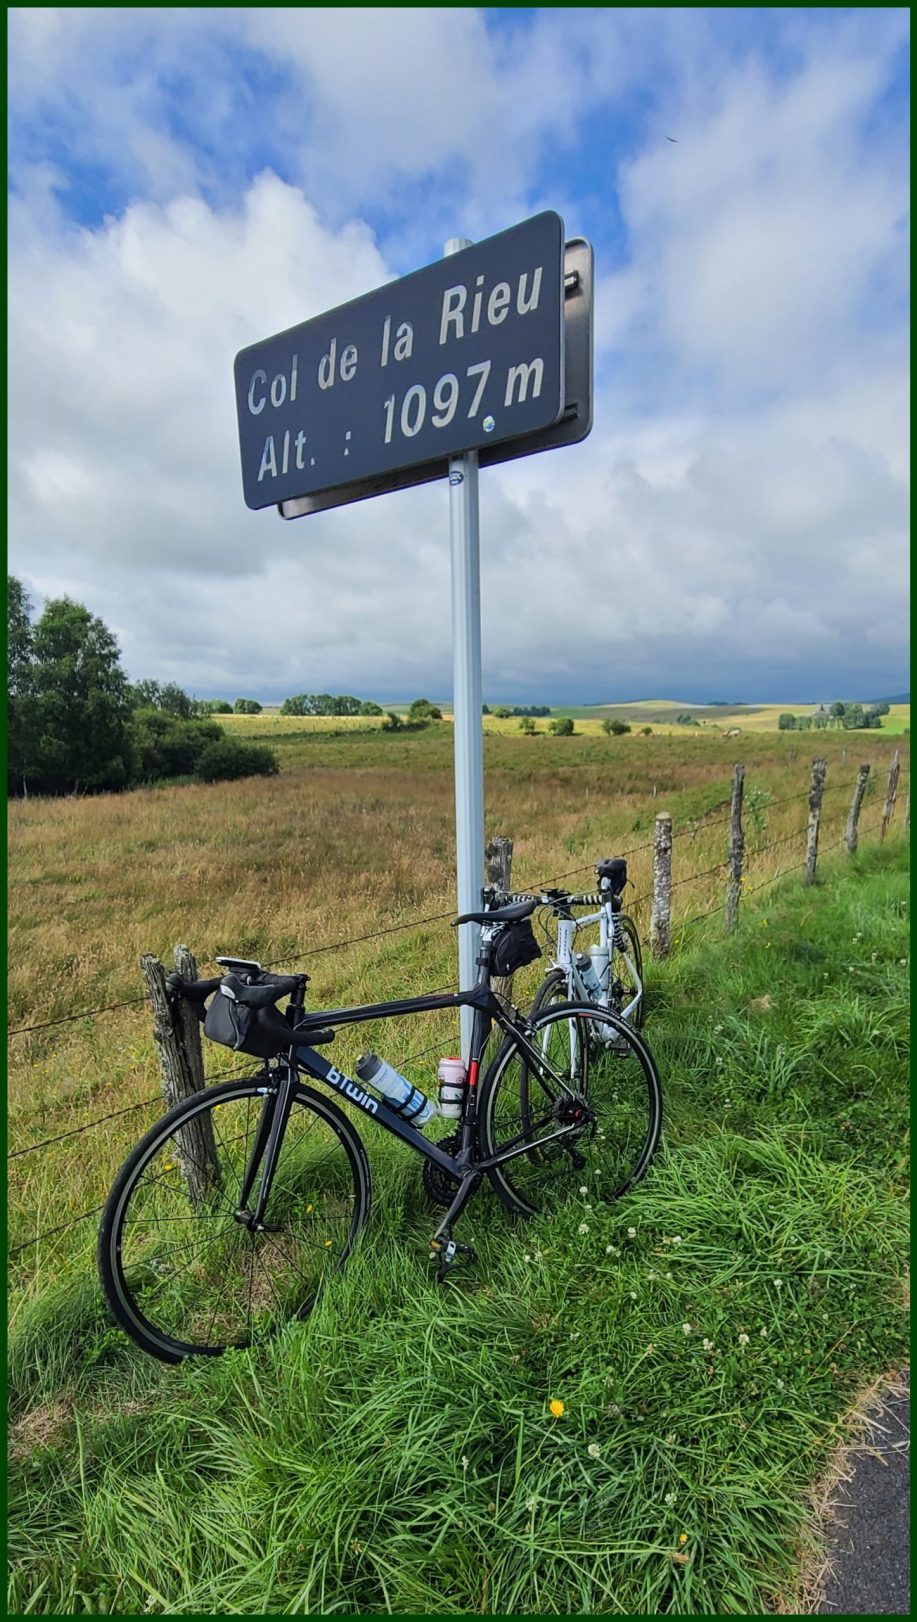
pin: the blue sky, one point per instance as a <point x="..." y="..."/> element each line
<point x="184" y="182"/>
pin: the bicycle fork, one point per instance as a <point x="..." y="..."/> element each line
<point x="275" y="1114"/>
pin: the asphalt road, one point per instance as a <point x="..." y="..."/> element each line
<point x="869" y="1538"/>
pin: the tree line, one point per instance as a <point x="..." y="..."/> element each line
<point x="75" y="724"/>
<point x="850" y="717"/>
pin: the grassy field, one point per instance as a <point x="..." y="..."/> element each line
<point x="657" y="713"/>
<point x="397" y="1453"/>
<point x="130" y="1498"/>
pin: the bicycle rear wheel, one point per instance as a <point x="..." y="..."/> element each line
<point x="181" y="1272"/>
<point x="578" y="1104"/>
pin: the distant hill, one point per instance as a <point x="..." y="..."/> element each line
<point x="899" y="698"/>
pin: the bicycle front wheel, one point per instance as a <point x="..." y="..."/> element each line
<point x="181" y="1271"/>
<point x="578" y="1102"/>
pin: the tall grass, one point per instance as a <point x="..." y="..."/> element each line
<point x="397" y="1453"/>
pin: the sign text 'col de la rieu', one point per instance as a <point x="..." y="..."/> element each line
<point x="464" y="353"/>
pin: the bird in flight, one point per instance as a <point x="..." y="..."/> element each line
<point x="672" y="139"/>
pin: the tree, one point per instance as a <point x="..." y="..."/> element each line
<point x="20" y="678"/>
<point x="786" y="722"/>
<point x="646" y="732"/>
<point x="527" y="726"/>
<point x="392" y="722"/>
<point x="853" y="717"/>
<point x="836" y="711"/>
<point x="214" y="706"/>
<point x="367" y="707"/>
<point x="614" y="727"/>
<point x="82" y="702"/>
<point x="562" y="727"/>
<point x="247" y="706"/>
<point x="502" y="712"/>
<point x="423" y="710"/>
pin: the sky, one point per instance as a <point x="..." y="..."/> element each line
<point x="186" y="182"/>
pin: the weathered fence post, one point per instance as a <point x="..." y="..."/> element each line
<point x="196" y="1148"/>
<point x="736" y="847"/>
<point x="498" y="867"/>
<point x="819" y="768"/>
<point x="891" y="795"/>
<point x="850" y="835"/>
<point x="661" y="919"/>
<point x="188" y="1024"/>
<point x="907" y="804"/>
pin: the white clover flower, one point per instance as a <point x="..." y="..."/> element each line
<point x="526" y="1257"/>
<point x="779" y="1283"/>
<point x="531" y="1503"/>
<point x="676" y="1239"/>
<point x="717" y="1060"/>
<point x="538" y="1255"/>
<point x="779" y="1385"/>
<point x="631" y="1233"/>
<point x="465" y="1462"/>
<point x="670" y="1498"/>
<point x="593" y="1450"/>
<point x="668" y="1275"/>
<point x="614" y="1410"/>
<point x="583" y="1189"/>
<point x="686" y="1329"/>
<point x="762" y="1331"/>
<point x="709" y="1346"/>
<point x="670" y="1438"/>
<point x="717" y="1029"/>
<point x="633" y="1295"/>
<point x="583" y="1227"/>
<point x="743" y="1340"/>
<point x="610" y="1250"/>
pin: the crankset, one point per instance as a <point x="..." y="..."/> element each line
<point x="439" y="1187"/>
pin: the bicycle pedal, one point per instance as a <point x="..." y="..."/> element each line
<point x="446" y="1254"/>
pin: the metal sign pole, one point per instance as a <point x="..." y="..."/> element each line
<point x="465" y="544"/>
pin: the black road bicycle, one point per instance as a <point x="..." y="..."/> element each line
<point x="234" y="1208"/>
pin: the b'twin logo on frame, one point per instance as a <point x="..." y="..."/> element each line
<point x="343" y="1083"/>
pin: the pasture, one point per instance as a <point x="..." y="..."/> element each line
<point x="397" y="1453"/>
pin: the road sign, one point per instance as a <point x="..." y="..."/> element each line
<point x="465" y="353"/>
<point x="573" y="425"/>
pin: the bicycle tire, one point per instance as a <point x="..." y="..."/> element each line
<point x="145" y="1261"/>
<point x="626" y="1142"/>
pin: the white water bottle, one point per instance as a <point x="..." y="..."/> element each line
<point x="598" y="957"/>
<point x="407" y="1101"/>
<point x="452" y="1075"/>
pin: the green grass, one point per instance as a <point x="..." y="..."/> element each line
<point x="397" y="1453"/>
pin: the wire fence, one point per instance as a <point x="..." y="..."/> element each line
<point x="691" y="825"/>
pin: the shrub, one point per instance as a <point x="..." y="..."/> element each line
<point x="503" y="712"/>
<point x="392" y="722"/>
<point x="247" y="706"/>
<point x="527" y="725"/>
<point x="167" y="746"/>
<point x="367" y="707"/>
<point x="423" y="710"/>
<point x="231" y="758"/>
<point x="562" y="727"/>
<point x="646" y="732"/>
<point x="613" y="727"/>
<point x="215" y="706"/>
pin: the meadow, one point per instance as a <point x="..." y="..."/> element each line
<point x="396" y="1453"/>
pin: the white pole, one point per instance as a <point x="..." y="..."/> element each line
<point x="465" y="542"/>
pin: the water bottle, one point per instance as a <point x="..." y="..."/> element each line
<point x="405" y="1100"/>
<point x="598" y="957"/>
<point x="588" y="975"/>
<point x="452" y="1075"/>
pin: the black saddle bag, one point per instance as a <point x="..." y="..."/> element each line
<point x="514" y="947"/>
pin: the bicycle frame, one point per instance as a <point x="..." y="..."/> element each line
<point x="610" y="940"/>
<point x="463" y="1167"/>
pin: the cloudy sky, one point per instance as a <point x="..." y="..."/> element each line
<point x="185" y="182"/>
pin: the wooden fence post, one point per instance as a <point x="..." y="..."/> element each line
<point x="736" y="847"/>
<point x="188" y="1024"/>
<point x="890" y="796"/>
<point x="196" y="1148"/>
<point x="819" y="768"/>
<point x="850" y="835"/>
<point x="498" y="867"/>
<point x="661" y="919"/>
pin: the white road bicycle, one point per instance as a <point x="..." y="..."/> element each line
<point x="608" y="975"/>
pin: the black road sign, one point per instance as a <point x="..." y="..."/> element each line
<point x="465" y="353"/>
<point x="573" y="425"/>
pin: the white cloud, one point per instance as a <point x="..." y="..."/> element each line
<point x="739" y="509"/>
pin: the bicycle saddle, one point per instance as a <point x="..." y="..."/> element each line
<point x="499" y="915"/>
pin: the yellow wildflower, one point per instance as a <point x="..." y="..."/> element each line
<point x="556" y="1407"/>
<point x="682" y="1537"/>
